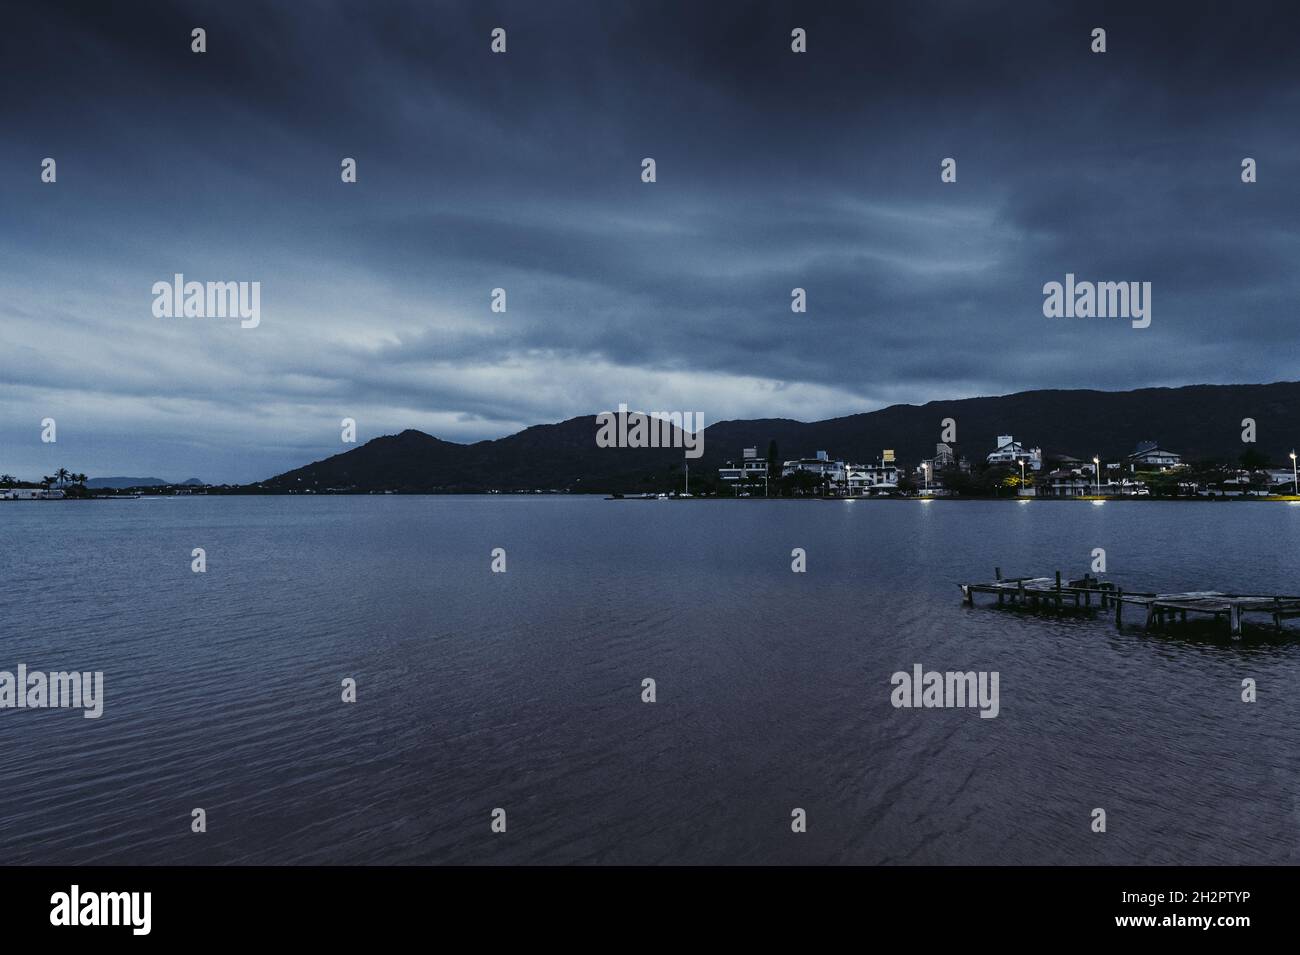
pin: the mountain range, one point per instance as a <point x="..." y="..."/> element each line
<point x="117" y="483"/>
<point x="1200" y="422"/>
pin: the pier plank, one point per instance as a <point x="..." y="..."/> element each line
<point x="1049" y="593"/>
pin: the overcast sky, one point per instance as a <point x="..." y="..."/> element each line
<point x="523" y="171"/>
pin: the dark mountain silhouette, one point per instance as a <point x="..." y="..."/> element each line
<point x="545" y="456"/>
<point x="1201" y="422"/>
<point x="118" y="483"/>
<point x="123" y="482"/>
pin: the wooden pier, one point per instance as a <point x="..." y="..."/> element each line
<point x="1051" y="594"/>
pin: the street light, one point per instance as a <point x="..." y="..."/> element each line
<point x="1096" y="468"/>
<point x="925" y="466"/>
<point x="1022" y="475"/>
<point x="1294" y="477"/>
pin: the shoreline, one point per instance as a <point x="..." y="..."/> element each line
<point x="1273" y="499"/>
<point x="1277" y="499"/>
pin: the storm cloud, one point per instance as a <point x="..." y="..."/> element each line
<point x="522" y="170"/>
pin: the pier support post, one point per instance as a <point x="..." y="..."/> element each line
<point x="1234" y="619"/>
<point x="1119" y="609"/>
<point x="1151" y="614"/>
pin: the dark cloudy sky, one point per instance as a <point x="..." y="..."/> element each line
<point x="522" y="171"/>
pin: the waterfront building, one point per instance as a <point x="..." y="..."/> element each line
<point x="1150" y="455"/>
<point x="1011" y="452"/>
<point x="752" y="467"/>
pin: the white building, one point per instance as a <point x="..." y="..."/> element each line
<point x="1151" y="455"/>
<point x="878" y="478"/>
<point x="752" y="467"/>
<point x="821" y="466"/>
<point x="1067" y="482"/>
<point x="1283" y="479"/>
<point x="1012" y="452"/>
<point x="848" y="478"/>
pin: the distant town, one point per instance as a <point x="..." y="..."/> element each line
<point x="1005" y="468"/>
<point x="1009" y="469"/>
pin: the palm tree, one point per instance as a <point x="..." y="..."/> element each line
<point x="47" y="481"/>
<point x="78" y="479"/>
<point x="62" y="475"/>
<point x="8" y="480"/>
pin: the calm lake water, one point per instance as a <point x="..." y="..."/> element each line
<point x="522" y="690"/>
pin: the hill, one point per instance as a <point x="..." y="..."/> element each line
<point x="121" y="482"/>
<point x="117" y="483"/>
<point x="1201" y="422"/>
